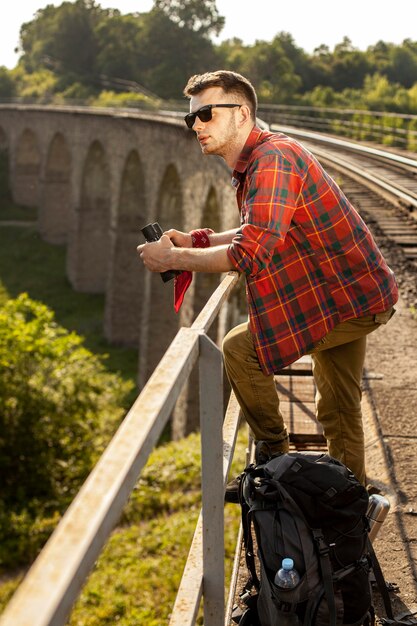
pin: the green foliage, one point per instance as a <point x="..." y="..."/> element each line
<point x="58" y="406"/>
<point x="63" y="38"/>
<point x="126" y="99"/>
<point x="75" y="91"/>
<point x="83" y="44"/>
<point x="165" y="69"/>
<point x="39" y="85"/>
<point x="270" y="66"/>
<point x="28" y="264"/>
<point x="194" y="15"/>
<point x="173" y="469"/>
<point x="120" y="51"/>
<point x="7" y="84"/>
<point x="148" y="551"/>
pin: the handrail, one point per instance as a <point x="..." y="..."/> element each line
<point x="391" y="129"/>
<point x="305" y="134"/>
<point x="54" y="581"/>
<point x="337" y="111"/>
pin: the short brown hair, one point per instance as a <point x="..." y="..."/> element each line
<point x="230" y="82"/>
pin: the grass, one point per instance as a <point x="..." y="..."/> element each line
<point x="28" y="264"/>
<point x="147" y="552"/>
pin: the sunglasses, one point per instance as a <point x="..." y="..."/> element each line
<point x="204" y="114"/>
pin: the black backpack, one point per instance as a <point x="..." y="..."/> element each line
<point x="307" y="506"/>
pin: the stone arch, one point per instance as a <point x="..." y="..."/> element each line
<point x="25" y="181"/>
<point x="163" y="322"/>
<point x="89" y="240"/>
<point x="170" y="199"/>
<point x="123" y="313"/>
<point x="55" y="205"/>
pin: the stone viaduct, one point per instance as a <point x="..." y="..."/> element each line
<point x="96" y="176"/>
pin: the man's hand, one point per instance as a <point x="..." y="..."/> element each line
<point x="162" y="255"/>
<point x="157" y="255"/>
<point x="179" y="239"/>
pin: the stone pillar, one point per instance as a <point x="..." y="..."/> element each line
<point x="125" y="293"/>
<point x="55" y="206"/>
<point x="89" y="239"/>
<point x="163" y="322"/>
<point x="25" y="174"/>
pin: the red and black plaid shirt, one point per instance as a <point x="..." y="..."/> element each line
<point x="309" y="259"/>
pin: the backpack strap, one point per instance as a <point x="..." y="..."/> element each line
<point x="248" y="542"/>
<point x="326" y="572"/>
<point x="380" y="580"/>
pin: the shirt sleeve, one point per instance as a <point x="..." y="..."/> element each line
<point x="272" y="189"/>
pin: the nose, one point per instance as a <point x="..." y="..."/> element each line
<point x="198" y="125"/>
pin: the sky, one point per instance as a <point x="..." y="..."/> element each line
<point x="310" y="22"/>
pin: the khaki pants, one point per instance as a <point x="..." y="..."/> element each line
<point x="337" y="369"/>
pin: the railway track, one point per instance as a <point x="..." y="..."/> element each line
<point x="382" y="184"/>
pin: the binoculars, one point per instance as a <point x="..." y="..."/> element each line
<point x="153" y="232"/>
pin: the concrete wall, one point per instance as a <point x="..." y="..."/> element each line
<point x="98" y="176"/>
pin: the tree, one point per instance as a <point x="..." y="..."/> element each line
<point x="56" y="405"/>
<point x="165" y="69"/>
<point x="200" y="16"/>
<point x="349" y="66"/>
<point x="271" y="72"/>
<point x="300" y="60"/>
<point x="79" y="42"/>
<point x="63" y="38"/>
<point x="7" y="84"/>
<point x="119" y="48"/>
<point x="403" y="65"/>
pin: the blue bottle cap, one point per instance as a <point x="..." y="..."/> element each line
<point x="287" y="564"/>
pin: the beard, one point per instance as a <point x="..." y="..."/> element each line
<point x="226" y="142"/>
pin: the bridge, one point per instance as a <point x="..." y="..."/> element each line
<point x="111" y="188"/>
<point x="97" y="176"/>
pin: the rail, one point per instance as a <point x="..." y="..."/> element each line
<point x="383" y="155"/>
<point x="389" y="188"/>
<point x="53" y="583"/>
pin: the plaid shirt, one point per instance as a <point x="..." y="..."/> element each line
<point x="309" y="259"/>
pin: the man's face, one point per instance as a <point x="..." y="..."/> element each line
<point x="219" y="135"/>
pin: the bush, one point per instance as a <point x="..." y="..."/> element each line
<point x="38" y="85"/>
<point x="75" y="92"/>
<point x="128" y="99"/>
<point x="7" y="84"/>
<point x="58" y="407"/>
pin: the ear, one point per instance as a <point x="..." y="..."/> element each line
<point x="244" y="115"/>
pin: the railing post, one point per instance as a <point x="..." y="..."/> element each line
<point x="211" y="422"/>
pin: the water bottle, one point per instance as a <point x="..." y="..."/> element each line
<point x="287" y="577"/>
<point x="378" y="508"/>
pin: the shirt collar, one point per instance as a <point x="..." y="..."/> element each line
<point x="243" y="160"/>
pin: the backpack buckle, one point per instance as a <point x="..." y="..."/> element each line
<point x="322" y="546"/>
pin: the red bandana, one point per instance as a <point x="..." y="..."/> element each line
<point x="200" y="239"/>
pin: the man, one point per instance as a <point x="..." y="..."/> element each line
<point x="316" y="282"/>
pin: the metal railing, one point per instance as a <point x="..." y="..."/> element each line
<point x="382" y="127"/>
<point x="53" y="583"/>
